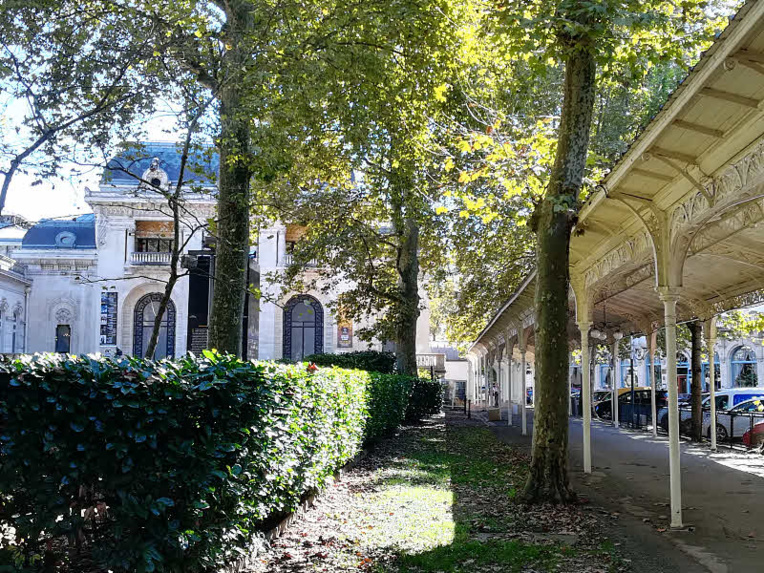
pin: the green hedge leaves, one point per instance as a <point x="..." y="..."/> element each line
<point x="369" y="360"/>
<point x="175" y="465"/>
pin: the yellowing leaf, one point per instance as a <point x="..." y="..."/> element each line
<point x="449" y="164"/>
<point x="440" y="92"/>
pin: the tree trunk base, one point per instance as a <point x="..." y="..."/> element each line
<point x="552" y="489"/>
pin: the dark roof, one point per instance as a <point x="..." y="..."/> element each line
<point x="58" y="234"/>
<point x="135" y="158"/>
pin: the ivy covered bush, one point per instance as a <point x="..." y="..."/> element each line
<point x="173" y="465"/>
<point x="369" y="360"/>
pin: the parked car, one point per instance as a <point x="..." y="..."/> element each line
<point x="642" y="398"/>
<point x="736" y="421"/>
<point x="754" y="436"/>
<point x="601" y="395"/>
<point x="725" y="399"/>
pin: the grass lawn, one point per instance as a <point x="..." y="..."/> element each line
<point x="440" y="498"/>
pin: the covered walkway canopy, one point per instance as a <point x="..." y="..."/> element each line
<point x="674" y="231"/>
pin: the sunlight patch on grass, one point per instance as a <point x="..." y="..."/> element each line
<point x="417" y="517"/>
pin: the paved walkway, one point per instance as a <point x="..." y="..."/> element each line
<point x="723" y="499"/>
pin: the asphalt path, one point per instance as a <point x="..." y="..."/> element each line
<point x="722" y="498"/>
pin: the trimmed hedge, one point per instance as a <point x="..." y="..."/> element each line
<point x="173" y="465"/>
<point x="369" y="360"/>
<point x="425" y="399"/>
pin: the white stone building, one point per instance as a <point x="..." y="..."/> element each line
<point x="96" y="280"/>
<point x="298" y="324"/>
<point x="93" y="283"/>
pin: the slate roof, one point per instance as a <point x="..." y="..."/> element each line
<point x="202" y="165"/>
<point x="44" y="234"/>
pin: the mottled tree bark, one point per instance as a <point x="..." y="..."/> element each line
<point x="554" y="218"/>
<point x="408" y="272"/>
<point x="696" y="331"/>
<point x="232" y="237"/>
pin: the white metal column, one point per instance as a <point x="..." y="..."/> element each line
<point x="653" y="408"/>
<point x="615" y="382"/>
<point x="509" y="383"/>
<point x="586" y="396"/>
<point x="711" y="342"/>
<point x="524" y="393"/>
<point x="670" y="298"/>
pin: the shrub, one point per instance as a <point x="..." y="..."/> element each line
<point x="180" y="460"/>
<point x="369" y="360"/>
<point x="425" y="399"/>
<point x="174" y="465"/>
<point x="388" y="400"/>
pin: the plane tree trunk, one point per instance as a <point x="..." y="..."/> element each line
<point x="553" y="221"/>
<point x="232" y="236"/>
<point x="408" y="272"/>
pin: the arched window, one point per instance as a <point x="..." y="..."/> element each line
<point x="143" y="325"/>
<point x="744" y="367"/>
<point x="303" y="327"/>
<point x="15" y="324"/>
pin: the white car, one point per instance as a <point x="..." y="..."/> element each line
<point x="725" y="399"/>
<point x="735" y="422"/>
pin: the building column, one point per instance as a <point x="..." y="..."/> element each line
<point x="524" y="392"/>
<point x="510" y="367"/>
<point x="468" y="384"/>
<point x="586" y="395"/>
<point x="652" y="342"/>
<point x="483" y="390"/>
<point x="500" y="384"/>
<point x="669" y="296"/>
<point x="615" y="381"/>
<point x="710" y="328"/>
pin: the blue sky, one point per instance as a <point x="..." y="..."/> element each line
<point x="65" y="194"/>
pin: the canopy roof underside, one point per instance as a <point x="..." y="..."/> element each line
<point x="681" y="210"/>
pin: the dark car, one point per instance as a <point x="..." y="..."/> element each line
<point x="641" y="399"/>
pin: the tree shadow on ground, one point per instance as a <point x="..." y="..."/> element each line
<point x="460" y="486"/>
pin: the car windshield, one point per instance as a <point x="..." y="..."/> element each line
<point x="755" y="405"/>
<point x="721" y="402"/>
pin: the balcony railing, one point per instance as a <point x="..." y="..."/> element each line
<point x="434" y="360"/>
<point x="150" y="258"/>
<point x="287" y="260"/>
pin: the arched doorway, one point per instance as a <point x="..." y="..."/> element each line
<point x="303" y="327"/>
<point x="144" y="315"/>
